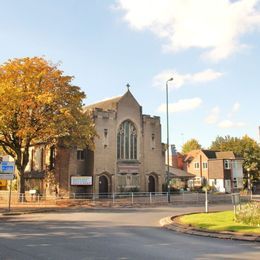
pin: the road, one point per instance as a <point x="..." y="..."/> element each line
<point x="111" y="234"/>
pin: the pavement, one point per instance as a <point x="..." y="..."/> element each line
<point x="173" y="223"/>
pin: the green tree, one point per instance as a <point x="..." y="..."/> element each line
<point x="227" y="143"/>
<point x="190" y="145"/>
<point x="39" y="105"/>
<point x="245" y="147"/>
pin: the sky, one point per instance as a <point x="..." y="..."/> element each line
<point x="211" y="48"/>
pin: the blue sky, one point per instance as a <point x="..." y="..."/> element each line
<point x="211" y="49"/>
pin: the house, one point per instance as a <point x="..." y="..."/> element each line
<point x="178" y="177"/>
<point x="223" y="170"/>
<point x="128" y="154"/>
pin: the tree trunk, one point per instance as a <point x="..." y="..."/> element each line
<point x="21" y="187"/>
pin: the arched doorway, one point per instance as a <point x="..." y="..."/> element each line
<point x="151" y="184"/>
<point x="103" y="184"/>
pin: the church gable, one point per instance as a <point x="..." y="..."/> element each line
<point x="128" y="106"/>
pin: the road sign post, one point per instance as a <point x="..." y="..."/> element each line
<point x="7" y="173"/>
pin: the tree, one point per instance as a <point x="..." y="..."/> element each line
<point x="190" y="145"/>
<point x="245" y="147"/>
<point x="227" y="143"/>
<point x="39" y="105"/>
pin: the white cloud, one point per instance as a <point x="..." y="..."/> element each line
<point x="181" y="79"/>
<point x="212" y="118"/>
<point x="215" y="26"/>
<point x="182" y="105"/>
<point x="236" y="107"/>
<point x="230" y="124"/>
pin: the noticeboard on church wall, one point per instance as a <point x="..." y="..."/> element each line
<point x="81" y="180"/>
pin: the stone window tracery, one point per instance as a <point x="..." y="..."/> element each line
<point x="127" y="141"/>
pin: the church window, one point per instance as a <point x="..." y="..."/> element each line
<point x="127" y="141"/>
<point x="80" y="155"/>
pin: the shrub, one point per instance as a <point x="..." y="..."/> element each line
<point x="249" y="214"/>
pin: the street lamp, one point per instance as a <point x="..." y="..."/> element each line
<point x="248" y="179"/>
<point x="168" y="155"/>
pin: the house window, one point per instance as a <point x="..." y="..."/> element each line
<point x="196" y="165"/>
<point x="127" y="141"/>
<point x="205" y="165"/>
<point x="227" y="164"/>
<point x="235" y="182"/>
<point x="80" y="155"/>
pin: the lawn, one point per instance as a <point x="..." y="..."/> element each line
<point x="219" y="221"/>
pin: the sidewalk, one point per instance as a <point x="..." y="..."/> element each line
<point x="172" y="223"/>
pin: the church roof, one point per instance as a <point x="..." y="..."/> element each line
<point x="110" y="103"/>
<point x="107" y="104"/>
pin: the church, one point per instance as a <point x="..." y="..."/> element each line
<point x="128" y="155"/>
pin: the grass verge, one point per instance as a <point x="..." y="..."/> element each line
<point x="219" y="221"/>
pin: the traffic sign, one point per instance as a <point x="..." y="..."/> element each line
<point x="7" y="167"/>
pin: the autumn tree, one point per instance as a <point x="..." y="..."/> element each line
<point x="190" y="145"/>
<point x="39" y="104"/>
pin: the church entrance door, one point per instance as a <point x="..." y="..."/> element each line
<point x="103" y="185"/>
<point x="151" y="184"/>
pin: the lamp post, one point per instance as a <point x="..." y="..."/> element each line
<point x="248" y="179"/>
<point x="168" y="150"/>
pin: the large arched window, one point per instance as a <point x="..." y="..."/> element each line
<point x="127" y="141"/>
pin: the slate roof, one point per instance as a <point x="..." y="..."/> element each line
<point x="178" y="173"/>
<point x="108" y="104"/>
<point x="211" y="155"/>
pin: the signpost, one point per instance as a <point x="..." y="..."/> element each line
<point x="235" y="201"/>
<point x="7" y="173"/>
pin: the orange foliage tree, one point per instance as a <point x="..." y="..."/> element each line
<point x="39" y="105"/>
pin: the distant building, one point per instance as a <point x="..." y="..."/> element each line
<point x="128" y="154"/>
<point x="223" y="170"/>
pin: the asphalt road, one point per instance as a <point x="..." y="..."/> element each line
<point x="111" y="234"/>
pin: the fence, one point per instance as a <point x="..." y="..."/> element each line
<point x="114" y="199"/>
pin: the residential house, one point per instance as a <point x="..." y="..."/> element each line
<point x="223" y="170"/>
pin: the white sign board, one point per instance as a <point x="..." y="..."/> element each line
<point x="7" y="176"/>
<point x="80" y="180"/>
<point x="7" y="167"/>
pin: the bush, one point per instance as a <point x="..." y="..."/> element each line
<point x="249" y="214"/>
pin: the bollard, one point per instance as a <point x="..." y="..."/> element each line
<point x="132" y="198"/>
<point x="150" y="198"/>
<point x="93" y="198"/>
<point x="206" y="200"/>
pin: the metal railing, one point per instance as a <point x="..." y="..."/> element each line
<point x="110" y="199"/>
